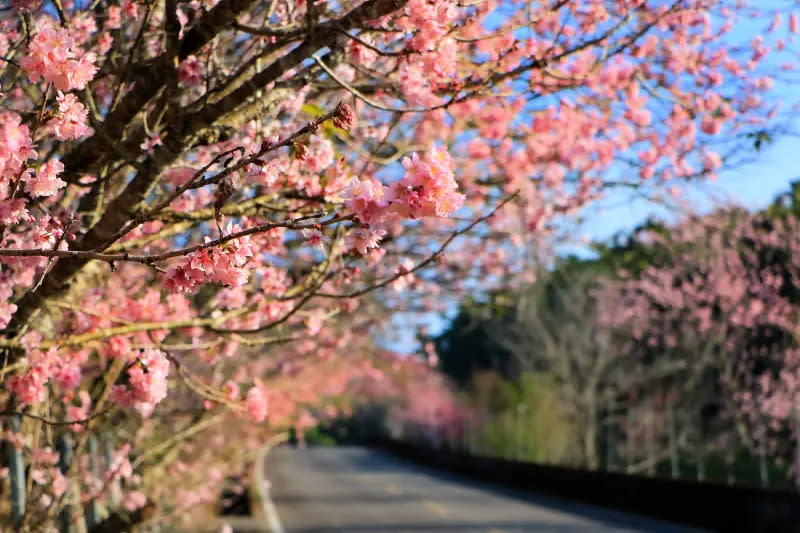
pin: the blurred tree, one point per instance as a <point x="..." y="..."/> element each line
<point x="467" y="347"/>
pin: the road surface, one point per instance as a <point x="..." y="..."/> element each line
<point x="357" y="490"/>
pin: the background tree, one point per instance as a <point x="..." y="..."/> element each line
<point x="554" y="331"/>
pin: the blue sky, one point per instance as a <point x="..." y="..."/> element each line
<point x="753" y="185"/>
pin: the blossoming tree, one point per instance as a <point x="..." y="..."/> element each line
<point x="184" y="185"/>
<point x="717" y="310"/>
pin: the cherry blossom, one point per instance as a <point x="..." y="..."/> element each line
<point x="45" y="182"/>
<point x="53" y="56"/>
<point x="147" y="382"/>
<point x="71" y="120"/>
<point x="16" y="146"/>
<point x="256" y="404"/>
<point x="225" y="265"/>
<point x="191" y="72"/>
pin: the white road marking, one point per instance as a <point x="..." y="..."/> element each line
<point x="262" y="486"/>
<point x="393" y="489"/>
<point x="439" y="509"/>
<point x="272" y="514"/>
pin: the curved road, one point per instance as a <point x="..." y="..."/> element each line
<point x="357" y="490"/>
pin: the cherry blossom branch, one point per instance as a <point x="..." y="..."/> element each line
<point x="62" y="16"/>
<point x="245" y="208"/>
<point x="425" y="262"/>
<point x="364" y="98"/>
<point x="265" y="340"/>
<point x="275" y="323"/>
<point x="207" y="323"/>
<point x="90" y="154"/>
<point x="280" y="33"/>
<point x="76" y="340"/>
<point x="374" y="48"/>
<point x="295" y="224"/>
<point x="198" y="386"/>
<point x="182" y="347"/>
<point x="51" y="422"/>
<point x="307" y="292"/>
<point x="195" y="182"/>
<point x="149" y="214"/>
<point x="67" y="230"/>
<point x="9" y="61"/>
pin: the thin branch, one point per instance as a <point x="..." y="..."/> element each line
<point x="124" y="330"/>
<point x="425" y="262"/>
<point x="51" y="422"/>
<point x="184" y="434"/>
<point x="293" y="224"/>
<point x="364" y="98"/>
<point x="374" y="48"/>
<point x="196" y="181"/>
<point x="281" y="33"/>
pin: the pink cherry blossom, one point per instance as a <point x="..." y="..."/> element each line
<point x="53" y="56"/>
<point x="256" y="403"/>
<point x="7" y="307"/>
<point x="406" y="278"/>
<point x="79" y="412"/>
<point x="320" y="154"/>
<point x="71" y="120"/>
<point x="363" y="239"/>
<point x="45" y="182"/>
<point x="134" y="500"/>
<point x="266" y="174"/>
<point x="151" y="141"/>
<point x="315" y="321"/>
<point x="225" y="264"/>
<point x="231" y="389"/>
<point x="12" y="211"/>
<point x="314" y="238"/>
<point x="428" y="189"/>
<point x="147" y="382"/>
<point x="191" y="72"/>
<point x="16" y="146"/>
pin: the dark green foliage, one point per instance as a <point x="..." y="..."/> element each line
<point x="466" y="347"/>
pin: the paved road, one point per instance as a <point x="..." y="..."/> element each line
<point x="356" y="490"/>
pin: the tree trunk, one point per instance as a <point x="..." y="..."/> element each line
<point x="16" y="473"/>
<point x="590" y="434"/>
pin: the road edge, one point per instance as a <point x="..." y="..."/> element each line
<point x="261" y="504"/>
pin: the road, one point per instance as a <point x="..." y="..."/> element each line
<point x="357" y="490"/>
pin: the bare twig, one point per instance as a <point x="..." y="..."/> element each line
<point x="294" y="224"/>
<point x="50" y="422"/>
<point x="426" y="261"/>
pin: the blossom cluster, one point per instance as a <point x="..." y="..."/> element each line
<point x="70" y="121"/>
<point x="147" y="382"/>
<point x="427" y="189"/>
<point x="44" y="182"/>
<point x="7" y="307"/>
<point x="223" y="264"/>
<point x="45" y="366"/>
<point x="257" y="404"/>
<point x="54" y="57"/>
<point x="16" y="146"/>
<point x="94" y="136"/>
